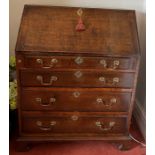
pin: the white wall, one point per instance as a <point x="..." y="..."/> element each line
<point x="16" y="7"/>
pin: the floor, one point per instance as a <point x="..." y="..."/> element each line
<point x="81" y="147"/>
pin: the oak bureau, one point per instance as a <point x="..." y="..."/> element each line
<point x="77" y="72"/>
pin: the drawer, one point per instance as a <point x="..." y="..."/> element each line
<point x="73" y="122"/>
<point x="78" y="99"/>
<point x="50" y="62"/>
<point x="76" y="78"/>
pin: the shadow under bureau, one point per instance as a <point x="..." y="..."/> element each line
<point x="77" y="73"/>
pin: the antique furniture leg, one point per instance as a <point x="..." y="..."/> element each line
<point x="125" y="145"/>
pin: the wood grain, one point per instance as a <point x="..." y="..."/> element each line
<point x="69" y="79"/>
<point x="67" y="100"/>
<point x="66" y="124"/>
<point x="52" y="29"/>
<point x="48" y="33"/>
<point x="71" y="62"/>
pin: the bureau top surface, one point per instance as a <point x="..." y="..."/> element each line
<point x="53" y="29"/>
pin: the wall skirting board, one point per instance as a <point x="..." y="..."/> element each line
<point x="140" y="116"/>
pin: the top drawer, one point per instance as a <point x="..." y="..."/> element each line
<point x="49" y="62"/>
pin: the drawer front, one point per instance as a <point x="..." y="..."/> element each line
<point x="73" y="123"/>
<point x="50" y="62"/>
<point x="65" y="99"/>
<point x="76" y="79"/>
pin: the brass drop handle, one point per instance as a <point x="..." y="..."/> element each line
<point x="44" y="128"/>
<point x="102" y="79"/>
<point x="104" y="127"/>
<point x="113" y="100"/>
<point x="115" y="80"/>
<point x="53" y="61"/>
<point x="116" y="64"/>
<point x="104" y="63"/>
<point x="108" y="104"/>
<point x="39" y="100"/>
<point x="99" y="101"/>
<point x="40" y="79"/>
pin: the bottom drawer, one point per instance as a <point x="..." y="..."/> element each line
<point x="72" y="122"/>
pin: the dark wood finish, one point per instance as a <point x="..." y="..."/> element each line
<point x="79" y="73"/>
<point x="83" y="79"/>
<point x="31" y="61"/>
<point x="72" y="123"/>
<point x="75" y="99"/>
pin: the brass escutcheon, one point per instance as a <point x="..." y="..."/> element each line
<point x="78" y="74"/>
<point x="78" y="60"/>
<point x="74" y="117"/>
<point x="76" y="94"/>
